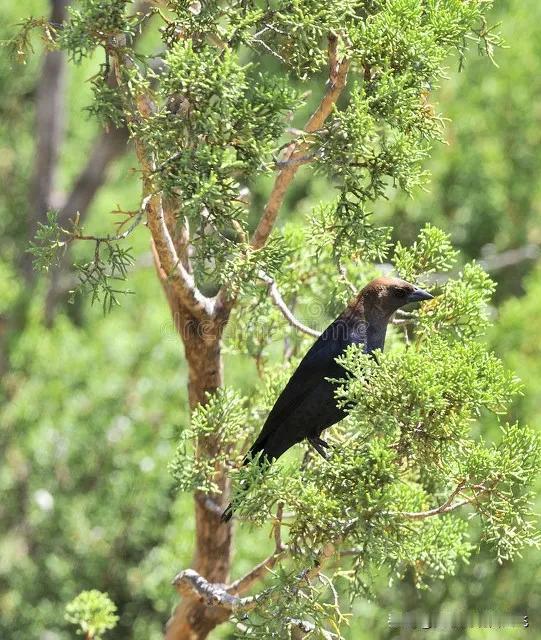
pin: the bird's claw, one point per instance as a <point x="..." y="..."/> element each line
<point x="320" y="446"/>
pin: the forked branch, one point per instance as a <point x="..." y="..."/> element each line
<point x="182" y="282"/>
<point x="170" y="262"/>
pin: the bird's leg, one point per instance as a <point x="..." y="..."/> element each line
<point x="320" y="446"/>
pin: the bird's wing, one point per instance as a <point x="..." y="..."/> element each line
<point x="317" y="364"/>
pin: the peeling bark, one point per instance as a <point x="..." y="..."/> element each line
<point x="193" y="618"/>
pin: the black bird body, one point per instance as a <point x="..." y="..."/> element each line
<point x="307" y="405"/>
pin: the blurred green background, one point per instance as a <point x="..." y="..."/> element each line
<point x="91" y="405"/>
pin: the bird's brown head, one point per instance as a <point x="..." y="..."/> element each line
<point x="383" y="296"/>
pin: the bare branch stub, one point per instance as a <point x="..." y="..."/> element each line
<point x="190" y="583"/>
<point x="227" y="599"/>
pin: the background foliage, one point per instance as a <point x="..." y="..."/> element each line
<point x="90" y="408"/>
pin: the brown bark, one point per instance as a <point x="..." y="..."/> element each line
<point x="200" y="322"/>
<point x="193" y="619"/>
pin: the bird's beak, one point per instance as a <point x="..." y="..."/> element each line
<point x="419" y="294"/>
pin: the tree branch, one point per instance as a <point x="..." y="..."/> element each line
<point x="294" y="157"/>
<point x="179" y="231"/>
<point x="78" y="235"/>
<point x="446" y="507"/>
<point x="107" y="147"/>
<point x="190" y="583"/>
<point x="337" y="81"/>
<point x="183" y="282"/>
<point x="242" y="585"/>
<point x="296" y="160"/>
<point x="286" y="312"/>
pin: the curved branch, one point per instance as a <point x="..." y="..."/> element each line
<point x="296" y="150"/>
<point x="182" y="282"/>
<point x="294" y="157"/>
<point x="446" y="507"/>
<point x="276" y="297"/>
<point x="172" y="264"/>
<point x="242" y="585"/>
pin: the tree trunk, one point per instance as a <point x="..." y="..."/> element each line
<point x="193" y="619"/>
<point x="50" y="117"/>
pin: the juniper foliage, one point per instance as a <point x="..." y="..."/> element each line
<point x="407" y="468"/>
<point x="93" y="612"/>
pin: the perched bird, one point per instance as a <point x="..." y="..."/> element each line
<point x="307" y="404"/>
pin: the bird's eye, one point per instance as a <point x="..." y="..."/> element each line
<point x="401" y="293"/>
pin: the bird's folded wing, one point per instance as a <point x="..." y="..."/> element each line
<point x="318" y="364"/>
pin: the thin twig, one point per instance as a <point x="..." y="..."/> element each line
<point x="267" y="48"/>
<point x="446" y="507"/>
<point x="276" y="297"/>
<point x="242" y="585"/>
<point x="110" y="238"/>
<point x="345" y="279"/>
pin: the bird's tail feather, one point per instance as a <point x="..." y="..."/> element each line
<point x="228" y="511"/>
